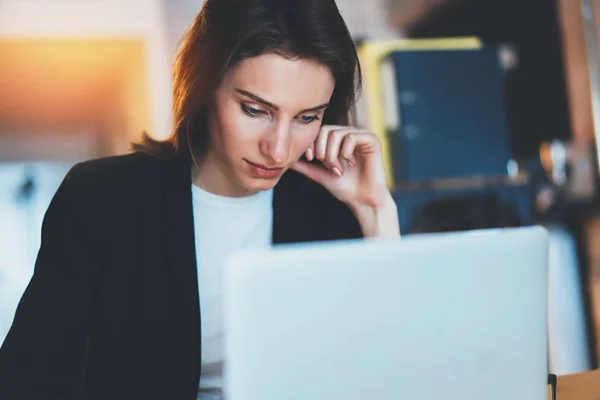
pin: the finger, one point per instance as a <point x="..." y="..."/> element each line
<point x="348" y="147"/>
<point x="315" y="172"/>
<point x="321" y="140"/>
<point x="310" y="152"/>
<point x="360" y="142"/>
<point x="332" y="153"/>
<point x="320" y="145"/>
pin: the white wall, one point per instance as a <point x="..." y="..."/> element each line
<point x="179" y="15"/>
<point x="366" y="19"/>
<point x="48" y="145"/>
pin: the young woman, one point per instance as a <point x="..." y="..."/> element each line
<point x="125" y="300"/>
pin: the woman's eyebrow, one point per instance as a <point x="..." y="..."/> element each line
<point x="258" y="99"/>
<point x="267" y="103"/>
<point x="317" y="108"/>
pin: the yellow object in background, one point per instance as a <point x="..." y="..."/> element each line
<point x="372" y="54"/>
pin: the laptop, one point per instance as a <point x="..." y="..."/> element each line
<point x="441" y="316"/>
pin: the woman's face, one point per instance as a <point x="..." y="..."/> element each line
<point x="262" y="118"/>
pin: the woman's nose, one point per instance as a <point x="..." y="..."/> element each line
<point x="275" y="145"/>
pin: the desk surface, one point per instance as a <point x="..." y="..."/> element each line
<point x="584" y="386"/>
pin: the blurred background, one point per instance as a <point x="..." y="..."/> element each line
<point x="489" y="112"/>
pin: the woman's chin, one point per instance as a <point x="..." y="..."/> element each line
<point x="254" y="185"/>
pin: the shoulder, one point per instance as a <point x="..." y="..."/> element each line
<point x="106" y="189"/>
<point x="118" y="173"/>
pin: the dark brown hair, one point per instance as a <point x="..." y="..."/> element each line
<point x="228" y="31"/>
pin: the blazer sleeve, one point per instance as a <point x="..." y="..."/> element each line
<point x="347" y="226"/>
<point x="43" y="355"/>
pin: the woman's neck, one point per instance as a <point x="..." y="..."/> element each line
<point x="211" y="175"/>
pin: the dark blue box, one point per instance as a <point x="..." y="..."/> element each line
<point x="452" y="115"/>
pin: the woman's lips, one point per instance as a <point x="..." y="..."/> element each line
<point x="262" y="171"/>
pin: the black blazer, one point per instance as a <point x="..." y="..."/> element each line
<point x="112" y="309"/>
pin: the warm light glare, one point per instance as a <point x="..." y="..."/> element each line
<point x="58" y="81"/>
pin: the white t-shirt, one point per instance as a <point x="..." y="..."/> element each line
<point x="223" y="225"/>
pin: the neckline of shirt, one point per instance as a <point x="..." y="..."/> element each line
<point x="199" y="194"/>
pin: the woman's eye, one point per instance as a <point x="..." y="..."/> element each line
<point x="251" y="111"/>
<point x="307" y="119"/>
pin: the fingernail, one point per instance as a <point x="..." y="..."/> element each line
<point x="309" y="155"/>
<point x="337" y="171"/>
<point x="350" y="163"/>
